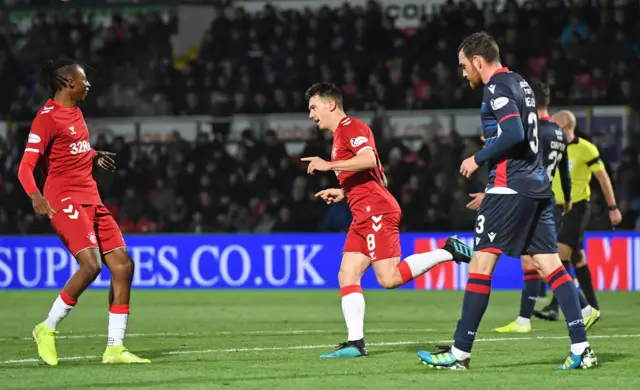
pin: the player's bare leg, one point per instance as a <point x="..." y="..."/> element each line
<point x="44" y="333"/>
<point x="392" y="273"/>
<point x="474" y="304"/>
<point x="352" y="268"/>
<point x="90" y="267"/>
<point x="388" y="274"/>
<point x="561" y="284"/>
<point x="121" y="267"/>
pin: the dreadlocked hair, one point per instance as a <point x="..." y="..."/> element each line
<point x="56" y="73"/>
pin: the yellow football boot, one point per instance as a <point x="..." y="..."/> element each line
<point x="120" y="355"/>
<point x="45" y="338"/>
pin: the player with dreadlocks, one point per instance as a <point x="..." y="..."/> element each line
<point x="60" y="139"/>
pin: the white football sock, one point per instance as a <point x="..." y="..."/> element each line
<point x="58" y="312"/>
<point x="578" y="348"/>
<point x="459" y="354"/>
<point x="586" y="311"/>
<point x="353" y="311"/>
<point x="420" y="263"/>
<point x="522" y="320"/>
<point x="117" y="329"/>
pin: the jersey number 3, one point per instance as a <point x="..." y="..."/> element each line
<point x="532" y="120"/>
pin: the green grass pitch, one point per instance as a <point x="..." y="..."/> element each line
<point x="273" y="339"/>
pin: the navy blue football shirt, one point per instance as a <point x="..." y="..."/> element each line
<point x="554" y="153"/>
<point x="509" y="110"/>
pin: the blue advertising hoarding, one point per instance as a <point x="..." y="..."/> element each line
<point x="291" y="261"/>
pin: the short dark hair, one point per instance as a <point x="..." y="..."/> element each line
<point x="325" y="91"/>
<point x="480" y="44"/>
<point x="57" y="72"/>
<point x="542" y="94"/>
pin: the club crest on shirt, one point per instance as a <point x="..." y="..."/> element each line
<point x="355" y="142"/>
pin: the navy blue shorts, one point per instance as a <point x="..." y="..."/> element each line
<point x="516" y="225"/>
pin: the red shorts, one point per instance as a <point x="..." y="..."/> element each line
<point x="377" y="237"/>
<point x="89" y="226"/>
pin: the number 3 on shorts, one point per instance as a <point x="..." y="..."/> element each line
<point x="480" y="224"/>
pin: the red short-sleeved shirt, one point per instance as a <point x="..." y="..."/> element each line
<point x="61" y="137"/>
<point x="366" y="191"/>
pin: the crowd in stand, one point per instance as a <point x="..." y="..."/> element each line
<point x="200" y="187"/>
<point x="130" y="62"/>
<point x="263" y="63"/>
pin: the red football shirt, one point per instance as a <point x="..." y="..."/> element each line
<point x="366" y="191"/>
<point x="61" y="137"/>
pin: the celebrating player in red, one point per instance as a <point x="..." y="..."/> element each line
<point x="60" y="138"/>
<point x="373" y="236"/>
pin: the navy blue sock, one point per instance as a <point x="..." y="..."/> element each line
<point x="529" y="292"/>
<point x="542" y="290"/>
<point x="567" y="294"/>
<point x="474" y="304"/>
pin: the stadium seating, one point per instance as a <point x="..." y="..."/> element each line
<point x="412" y="69"/>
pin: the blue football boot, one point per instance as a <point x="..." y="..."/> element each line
<point x="584" y="361"/>
<point x="348" y="349"/>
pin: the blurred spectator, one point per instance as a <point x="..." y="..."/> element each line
<point x="162" y="199"/>
<point x="131" y="56"/>
<point x="259" y="63"/>
<point x="187" y="192"/>
<point x="576" y="28"/>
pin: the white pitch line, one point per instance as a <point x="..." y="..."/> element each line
<point x="291" y="332"/>
<point x="301" y="347"/>
<point x="384" y="343"/>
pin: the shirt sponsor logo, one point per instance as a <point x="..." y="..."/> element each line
<point x="498" y="103"/>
